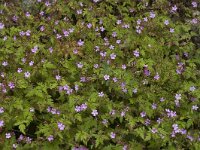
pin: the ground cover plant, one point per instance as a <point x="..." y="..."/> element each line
<point x="99" y="74"/>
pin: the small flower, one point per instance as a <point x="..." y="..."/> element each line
<point x="35" y="49"/>
<point x="31" y="109"/>
<point x="157" y="77"/>
<point x="19" y="70"/>
<point x="174" y="9"/>
<point x="106" y="77"/>
<point x="89" y="25"/>
<point x="124" y="66"/>
<point x="31" y="63"/>
<point x="171" y="30"/>
<point x="154" y="106"/>
<point x="11" y="85"/>
<point x="15" y="145"/>
<point x="94" y="112"/>
<point x="115" y="79"/>
<point x="136" y="53"/>
<point x="105" y="121"/>
<point x="135" y="90"/>
<point x="61" y="126"/>
<point x="111" y="47"/>
<point x="96" y="66"/>
<point x="194" y="4"/>
<point x="143" y="114"/>
<point x="27" y="74"/>
<point x="112" y="56"/>
<point x="101" y="94"/>
<point x="178" y="96"/>
<point x="1" y="123"/>
<point x="8" y="135"/>
<point x="1" y="110"/>
<point x="50" y="138"/>
<point x="80" y="43"/>
<point x="79" y="65"/>
<point x="162" y="99"/>
<point x="5" y="63"/>
<point x="195" y="107"/>
<point x="58" y="77"/>
<point x="154" y="130"/>
<point x="112" y="135"/>
<point x="1" y="25"/>
<point x="152" y="15"/>
<point x="166" y="22"/>
<point x="192" y="88"/>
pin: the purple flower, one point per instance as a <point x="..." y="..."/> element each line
<point x="80" y="43"/>
<point x="8" y="135"/>
<point x="89" y="25"/>
<point x="1" y="123"/>
<point x="157" y="77"/>
<point x="174" y="8"/>
<point x="178" y="96"/>
<point x="195" y="107"/>
<point x="159" y="120"/>
<point x="112" y="56"/>
<point x="154" y="106"/>
<point x="170" y="113"/>
<point x="118" y="41"/>
<point x="79" y="65"/>
<point x="152" y="15"/>
<point x="154" y="130"/>
<point x="35" y="49"/>
<point x="171" y="30"/>
<point x="124" y="66"/>
<point x="147" y="122"/>
<point x="5" y="63"/>
<point x="58" y="77"/>
<point x="11" y="85"/>
<point x="96" y="66"/>
<point x="105" y="121"/>
<point x="1" y="110"/>
<point x="135" y="90"/>
<point x="94" y="112"/>
<point x="162" y="99"/>
<point x="101" y="94"/>
<point x="50" y="138"/>
<point x="136" y="53"/>
<point x="192" y="88"/>
<point x="114" y="34"/>
<point x="111" y="47"/>
<point x="115" y="79"/>
<point x="112" y="135"/>
<point x="1" y="25"/>
<point x="194" y="4"/>
<point x="61" y="126"/>
<point x="106" y="77"/>
<point x="27" y="74"/>
<point x="143" y="114"/>
<point x="119" y="22"/>
<point x="103" y="54"/>
<point x="166" y="22"/>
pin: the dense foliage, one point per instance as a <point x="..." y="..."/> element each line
<point x="99" y="74"/>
